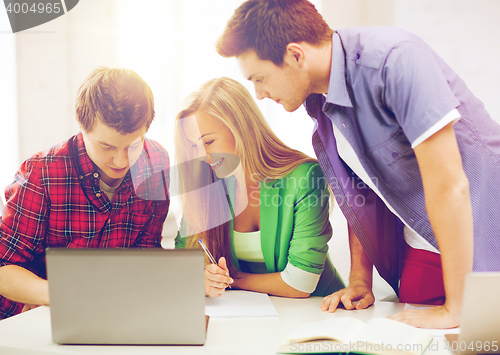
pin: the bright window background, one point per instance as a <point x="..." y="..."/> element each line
<point x="8" y="105"/>
<point x="173" y="50"/>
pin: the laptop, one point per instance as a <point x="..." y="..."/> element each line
<point x="480" y="322"/>
<point x="126" y="296"/>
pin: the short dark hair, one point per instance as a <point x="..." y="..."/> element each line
<point x="117" y="98"/>
<point x="268" y="26"/>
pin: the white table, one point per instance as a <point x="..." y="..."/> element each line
<point x="30" y="333"/>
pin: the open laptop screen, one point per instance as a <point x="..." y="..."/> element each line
<point x="126" y="296"/>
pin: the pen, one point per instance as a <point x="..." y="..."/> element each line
<point x="209" y="254"/>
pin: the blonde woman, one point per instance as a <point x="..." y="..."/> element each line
<point x="261" y="207"/>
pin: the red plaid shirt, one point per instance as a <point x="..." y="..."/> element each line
<point x="55" y="201"/>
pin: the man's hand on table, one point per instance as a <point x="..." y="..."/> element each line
<point x="358" y="295"/>
<point x="434" y="318"/>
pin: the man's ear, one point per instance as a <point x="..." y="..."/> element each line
<point x="295" y="54"/>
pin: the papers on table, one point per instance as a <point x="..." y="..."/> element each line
<point x="235" y="303"/>
<point x="435" y="333"/>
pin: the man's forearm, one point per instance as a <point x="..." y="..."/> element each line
<point x="21" y="285"/>
<point x="450" y="214"/>
<point x="361" y="266"/>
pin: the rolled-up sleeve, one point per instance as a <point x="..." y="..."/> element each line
<point x="416" y="88"/>
<point x="299" y="279"/>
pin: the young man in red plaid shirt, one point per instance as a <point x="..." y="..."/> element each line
<point x="105" y="187"/>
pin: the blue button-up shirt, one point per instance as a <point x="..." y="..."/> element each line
<point x="387" y="87"/>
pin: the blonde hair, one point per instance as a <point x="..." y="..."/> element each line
<point x="260" y="150"/>
<point x="263" y="155"/>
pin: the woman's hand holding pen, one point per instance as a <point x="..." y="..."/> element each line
<point x="217" y="278"/>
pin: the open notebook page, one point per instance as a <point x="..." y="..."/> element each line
<point x="338" y="329"/>
<point x="240" y="304"/>
<point x="395" y="334"/>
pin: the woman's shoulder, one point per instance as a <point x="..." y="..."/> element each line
<point x="310" y="168"/>
<point x="305" y="176"/>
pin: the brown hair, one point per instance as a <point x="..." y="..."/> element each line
<point x="117" y="98"/>
<point x="263" y="156"/>
<point x="268" y="26"/>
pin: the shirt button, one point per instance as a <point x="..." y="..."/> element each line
<point x="80" y="177"/>
<point x="343" y="124"/>
<point x="394" y="154"/>
<point x="96" y="175"/>
<point x="98" y="194"/>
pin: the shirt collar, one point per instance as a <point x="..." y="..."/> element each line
<point x="337" y="88"/>
<point x="84" y="165"/>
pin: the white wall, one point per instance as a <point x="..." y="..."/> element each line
<point x="52" y="61"/>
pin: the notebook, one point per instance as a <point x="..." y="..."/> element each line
<point x="126" y="296"/>
<point x="239" y="303"/>
<point x="480" y="321"/>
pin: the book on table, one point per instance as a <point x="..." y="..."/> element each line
<point x="378" y="336"/>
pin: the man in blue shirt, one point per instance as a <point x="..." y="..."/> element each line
<point x="405" y="125"/>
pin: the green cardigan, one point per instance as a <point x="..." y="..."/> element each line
<point x="295" y="228"/>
